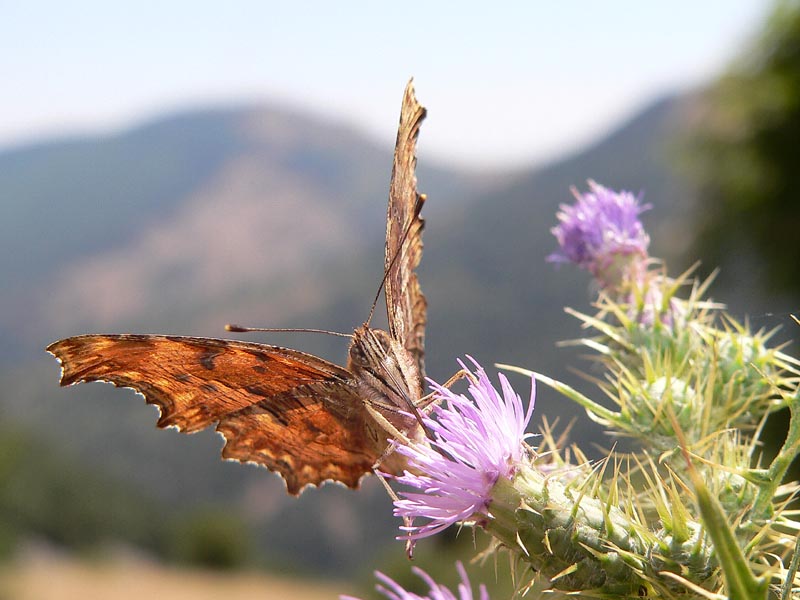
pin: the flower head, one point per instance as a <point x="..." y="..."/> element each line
<point x="474" y="444"/>
<point x="394" y="591"/>
<point x="602" y="233"/>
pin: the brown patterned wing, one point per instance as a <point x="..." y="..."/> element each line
<point x="289" y="411"/>
<point x="405" y="303"/>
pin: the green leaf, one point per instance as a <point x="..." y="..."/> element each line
<point x="740" y="582"/>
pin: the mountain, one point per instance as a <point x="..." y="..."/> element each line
<point x="200" y="207"/>
<point x="255" y="215"/>
<point x="264" y="216"/>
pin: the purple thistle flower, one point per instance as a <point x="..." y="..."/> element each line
<point x="601" y="232"/>
<point x="394" y="591"/>
<point x="474" y="443"/>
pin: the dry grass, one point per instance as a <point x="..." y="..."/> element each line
<point x="64" y="578"/>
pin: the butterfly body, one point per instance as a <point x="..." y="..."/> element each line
<point x="299" y="415"/>
<point x="386" y="373"/>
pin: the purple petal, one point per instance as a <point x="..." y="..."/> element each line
<point x="394" y="591"/>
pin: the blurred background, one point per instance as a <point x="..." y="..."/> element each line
<point x="170" y="168"/>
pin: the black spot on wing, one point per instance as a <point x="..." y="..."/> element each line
<point x="207" y="357"/>
<point x="259" y="391"/>
<point x="262" y="356"/>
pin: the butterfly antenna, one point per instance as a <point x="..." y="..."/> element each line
<point x="417" y="209"/>
<point x="240" y="329"/>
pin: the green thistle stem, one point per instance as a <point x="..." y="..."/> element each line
<point x="788" y="585"/>
<point x="763" y="506"/>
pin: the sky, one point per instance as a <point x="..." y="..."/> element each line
<point x="508" y="85"/>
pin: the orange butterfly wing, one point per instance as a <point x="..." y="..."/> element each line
<point x="405" y="303"/>
<point x="289" y="411"/>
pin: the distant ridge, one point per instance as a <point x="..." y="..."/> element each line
<point x="270" y="218"/>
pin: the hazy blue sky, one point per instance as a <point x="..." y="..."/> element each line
<point x="514" y="83"/>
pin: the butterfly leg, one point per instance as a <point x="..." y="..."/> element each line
<point x="386" y="425"/>
<point x="399" y="436"/>
<point x="390" y="449"/>
<point x="407" y="521"/>
<point x="430" y="398"/>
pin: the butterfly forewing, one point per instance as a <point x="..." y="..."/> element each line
<point x="292" y="412"/>
<point x="405" y="303"/>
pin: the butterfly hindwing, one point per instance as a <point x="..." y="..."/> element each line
<point x="305" y="440"/>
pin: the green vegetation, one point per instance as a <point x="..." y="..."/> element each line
<point x="210" y="538"/>
<point x="45" y="494"/>
<point x="746" y="157"/>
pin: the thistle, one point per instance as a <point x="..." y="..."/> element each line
<point x="475" y="444"/>
<point x="694" y="512"/>
<point x="602" y="234"/>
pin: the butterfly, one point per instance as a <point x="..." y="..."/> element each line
<point x="303" y="417"/>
